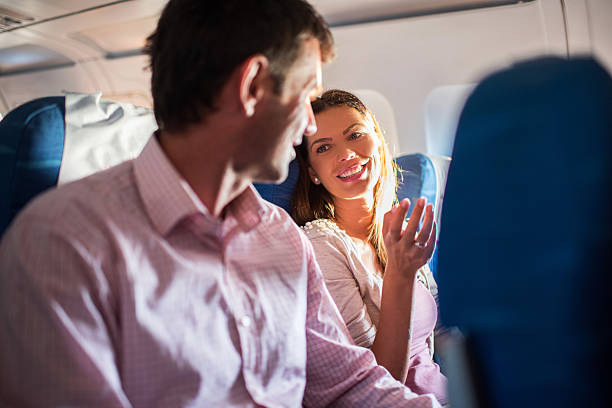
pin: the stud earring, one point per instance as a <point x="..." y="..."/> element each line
<point x="316" y="180"/>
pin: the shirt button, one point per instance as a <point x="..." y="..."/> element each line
<point x="245" y="321"/>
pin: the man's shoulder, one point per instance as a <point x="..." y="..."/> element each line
<point x="277" y="225"/>
<point x="276" y="218"/>
<point x="270" y="212"/>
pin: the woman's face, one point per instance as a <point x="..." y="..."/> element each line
<point x="344" y="154"/>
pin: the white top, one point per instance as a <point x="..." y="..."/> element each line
<point x="356" y="289"/>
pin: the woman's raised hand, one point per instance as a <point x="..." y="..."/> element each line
<point x="408" y="250"/>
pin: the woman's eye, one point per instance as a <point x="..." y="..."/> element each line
<point x="355" y="135"/>
<point x="322" y="148"/>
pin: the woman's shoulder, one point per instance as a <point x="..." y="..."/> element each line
<point x="323" y="228"/>
<point x="326" y="232"/>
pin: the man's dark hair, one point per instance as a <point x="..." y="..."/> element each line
<point x="199" y="43"/>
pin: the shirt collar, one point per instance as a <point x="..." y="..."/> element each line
<point x="249" y="208"/>
<point x="169" y="199"/>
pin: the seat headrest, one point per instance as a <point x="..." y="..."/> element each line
<point x="423" y="176"/>
<point x="417" y="176"/>
<point x="101" y="134"/>
<point x="54" y="140"/>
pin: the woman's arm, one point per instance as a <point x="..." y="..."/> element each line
<point x="407" y="251"/>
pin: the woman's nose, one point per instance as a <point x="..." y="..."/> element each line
<point x="345" y="154"/>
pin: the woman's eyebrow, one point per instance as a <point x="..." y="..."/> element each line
<point x="321" y="139"/>
<point x="352" y="126"/>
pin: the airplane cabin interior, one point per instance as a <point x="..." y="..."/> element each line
<point x="498" y="111"/>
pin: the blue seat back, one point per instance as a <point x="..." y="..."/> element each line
<point x="526" y="242"/>
<point x="280" y="194"/>
<point x="31" y="147"/>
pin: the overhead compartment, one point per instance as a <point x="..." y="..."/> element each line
<point x="350" y="12"/>
<point x="25" y="58"/>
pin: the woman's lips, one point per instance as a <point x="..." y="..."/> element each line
<point x="352" y="173"/>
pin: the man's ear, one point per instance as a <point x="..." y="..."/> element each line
<point x="254" y="76"/>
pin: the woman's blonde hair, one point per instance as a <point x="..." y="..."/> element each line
<point x="312" y="201"/>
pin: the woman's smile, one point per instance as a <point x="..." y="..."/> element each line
<point x="353" y="172"/>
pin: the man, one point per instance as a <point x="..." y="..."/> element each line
<point x="167" y="281"/>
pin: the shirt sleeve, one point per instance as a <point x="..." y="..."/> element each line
<point x="331" y="255"/>
<point x="55" y="347"/>
<point x="339" y="373"/>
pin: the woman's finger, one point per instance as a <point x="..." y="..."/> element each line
<point x="430" y="246"/>
<point x="413" y="221"/>
<point x="394" y="219"/>
<point x="425" y="231"/>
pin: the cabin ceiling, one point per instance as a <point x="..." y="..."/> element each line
<point x="14" y="15"/>
<point x="82" y="30"/>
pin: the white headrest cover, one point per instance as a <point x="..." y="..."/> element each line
<point x="101" y="134"/>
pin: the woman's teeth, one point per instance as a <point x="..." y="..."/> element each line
<point x="351" y="172"/>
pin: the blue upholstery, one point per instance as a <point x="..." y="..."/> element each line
<point x="525" y="261"/>
<point x="31" y="146"/>
<point x="280" y="194"/>
<point x="418" y="179"/>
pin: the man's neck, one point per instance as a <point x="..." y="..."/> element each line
<point x="204" y="161"/>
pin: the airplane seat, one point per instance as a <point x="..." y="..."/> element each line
<point x="31" y="145"/>
<point x="53" y="140"/>
<point x="419" y="177"/>
<point x="525" y="248"/>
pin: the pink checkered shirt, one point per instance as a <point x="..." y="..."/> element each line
<point x="122" y="290"/>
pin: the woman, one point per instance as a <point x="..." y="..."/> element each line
<point x="376" y="273"/>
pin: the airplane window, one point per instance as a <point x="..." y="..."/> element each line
<point x="382" y="109"/>
<point x="443" y="106"/>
